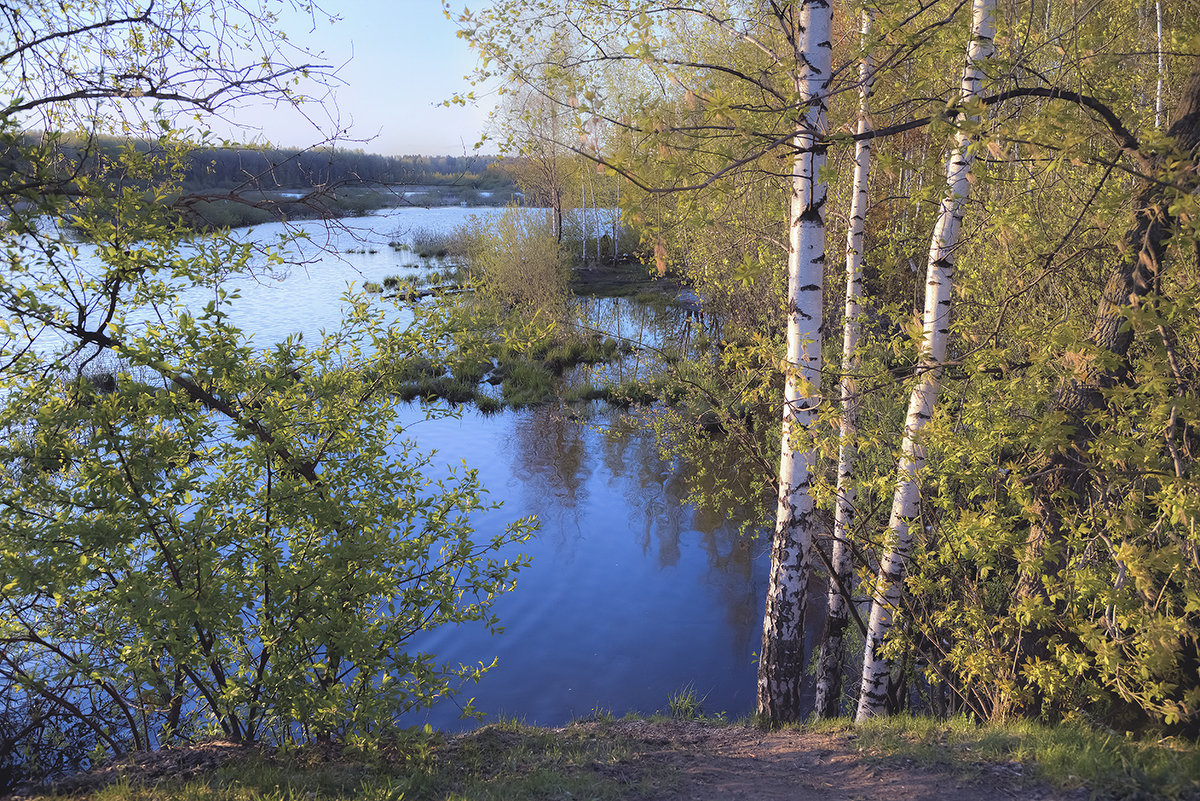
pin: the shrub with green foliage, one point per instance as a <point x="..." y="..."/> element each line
<point x="517" y="264"/>
<point x="204" y="538"/>
<point x="1122" y="616"/>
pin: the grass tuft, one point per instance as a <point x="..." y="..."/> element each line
<point x="526" y="384"/>
<point x="488" y="404"/>
<point x="452" y="389"/>
<point x="684" y="704"/>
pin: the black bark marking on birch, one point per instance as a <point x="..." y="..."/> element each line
<point x="813" y="213"/>
<point x="877" y="697"/>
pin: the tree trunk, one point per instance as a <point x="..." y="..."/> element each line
<point x="1067" y="474"/>
<point x="872" y="699"/>
<point x="829" y="672"/>
<point x="1158" y="88"/>
<point x="781" y="660"/>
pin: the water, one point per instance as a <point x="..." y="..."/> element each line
<point x="328" y="263"/>
<point x="631" y="595"/>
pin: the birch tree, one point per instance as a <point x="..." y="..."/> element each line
<point x="829" y="675"/>
<point x="782" y="659"/>
<point x="934" y="342"/>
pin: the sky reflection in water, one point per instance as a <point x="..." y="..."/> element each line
<point x="632" y="595"/>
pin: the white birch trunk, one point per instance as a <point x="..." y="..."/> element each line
<point x="781" y="659"/>
<point x="1158" y="94"/>
<point x="935" y="336"/>
<point x="829" y="673"/>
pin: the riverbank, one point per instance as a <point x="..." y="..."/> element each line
<point x="670" y="760"/>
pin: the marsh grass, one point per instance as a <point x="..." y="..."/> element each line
<point x="526" y="383"/>
<point x="453" y="389"/>
<point x="583" y="393"/>
<point x="488" y="404"/>
<point x="410" y="390"/>
<point x="429" y="244"/>
<point x="630" y="393"/>
<point x="416" y="368"/>
<point x="592" y="349"/>
<point x="471" y="371"/>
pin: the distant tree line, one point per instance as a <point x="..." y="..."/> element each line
<point x="266" y="168"/>
<point x="271" y="168"/>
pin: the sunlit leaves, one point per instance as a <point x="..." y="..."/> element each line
<point x="215" y="537"/>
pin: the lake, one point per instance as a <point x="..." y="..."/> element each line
<point x="632" y="595"/>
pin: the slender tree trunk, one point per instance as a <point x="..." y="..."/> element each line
<point x="1158" y="90"/>
<point x="781" y="660"/>
<point x="1068" y="472"/>
<point x="935" y="337"/>
<point x="616" y="216"/>
<point x="557" y="215"/>
<point x="829" y="672"/>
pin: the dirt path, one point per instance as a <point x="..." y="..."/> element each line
<point x="735" y="762"/>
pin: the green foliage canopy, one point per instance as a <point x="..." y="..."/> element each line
<point x="198" y="536"/>
<point x="694" y="96"/>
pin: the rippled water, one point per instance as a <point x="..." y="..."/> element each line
<point x="632" y="595"/>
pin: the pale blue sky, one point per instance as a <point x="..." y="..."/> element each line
<point x="397" y="61"/>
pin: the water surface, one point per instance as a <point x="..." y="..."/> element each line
<point x="632" y="595"/>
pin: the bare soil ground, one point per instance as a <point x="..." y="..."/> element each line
<point x="667" y="761"/>
<point x="739" y="762"/>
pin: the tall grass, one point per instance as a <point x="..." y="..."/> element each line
<point x="429" y="244"/>
<point x="1067" y="755"/>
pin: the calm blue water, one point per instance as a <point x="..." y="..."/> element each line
<point x="631" y="595"/>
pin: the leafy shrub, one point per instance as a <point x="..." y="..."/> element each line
<point x="1118" y="616"/>
<point x="250" y="556"/>
<point x="517" y="264"/>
